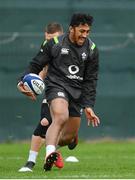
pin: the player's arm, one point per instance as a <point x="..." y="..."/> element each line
<point x="89" y="88"/>
<point x="36" y="66"/>
<point x="43" y="73"/>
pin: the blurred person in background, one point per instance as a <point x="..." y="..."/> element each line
<point x="70" y="83"/>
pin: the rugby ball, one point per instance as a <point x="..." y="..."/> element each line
<point x="34" y="83"/>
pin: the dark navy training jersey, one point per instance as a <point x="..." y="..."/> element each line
<point x="71" y="66"/>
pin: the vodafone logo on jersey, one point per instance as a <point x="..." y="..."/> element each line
<point x="73" y="70"/>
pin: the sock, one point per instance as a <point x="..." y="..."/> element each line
<point x="32" y="156"/>
<point x="50" y="149"/>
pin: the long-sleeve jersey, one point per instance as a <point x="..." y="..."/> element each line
<point x="73" y="67"/>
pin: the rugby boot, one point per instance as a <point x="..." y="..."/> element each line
<point x="28" y="167"/>
<point x="74" y="143"/>
<point x="59" y="162"/>
<point x="50" y="160"/>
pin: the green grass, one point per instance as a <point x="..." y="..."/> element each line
<point x="99" y="159"/>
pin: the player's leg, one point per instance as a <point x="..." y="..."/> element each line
<point x="36" y="143"/>
<point x="69" y="135"/>
<point x="70" y="131"/>
<point x="38" y="138"/>
<point x="60" y="114"/>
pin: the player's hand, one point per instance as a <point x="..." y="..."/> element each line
<point x="91" y="117"/>
<point x="24" y="89"/>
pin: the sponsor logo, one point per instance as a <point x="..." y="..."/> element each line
<point x="75" y="77"/>
<point x="84" y="56"/>
<point x="61" y="94"/>
<point x="73" y="69"/>
<point x="64" y="51"/>
<point x="44" y="101"/>
<point x="38" y="85"/>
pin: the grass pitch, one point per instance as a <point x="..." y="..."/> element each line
<point x="97" y="160"/>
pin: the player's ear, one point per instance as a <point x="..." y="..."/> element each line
<point x="71" y="29"/>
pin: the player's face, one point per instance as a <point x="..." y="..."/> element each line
<point x="79" y="34"/>
<point x="49" y="36"/>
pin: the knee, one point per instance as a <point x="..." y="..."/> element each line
<point x="44" y="122"/>
<point x="41" y="129"/>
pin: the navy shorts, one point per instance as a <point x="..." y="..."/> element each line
<point x="75" y="109"/>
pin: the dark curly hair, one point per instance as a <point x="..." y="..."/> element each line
<point x="80" y="18"/>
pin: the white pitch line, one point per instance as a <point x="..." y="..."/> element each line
<point x="10" y="158"/>
<point x="86" y="157"/>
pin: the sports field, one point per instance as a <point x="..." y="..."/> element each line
<point x="97" y="159"/>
